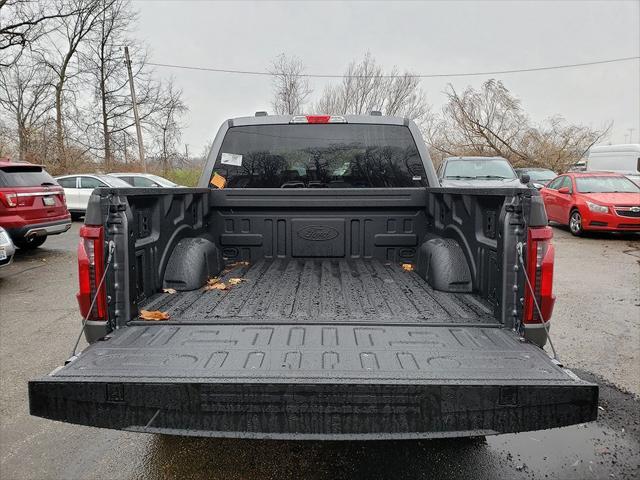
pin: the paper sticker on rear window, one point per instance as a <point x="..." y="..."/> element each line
<point x="218" y="181"/>
<point x="231" y="159"/>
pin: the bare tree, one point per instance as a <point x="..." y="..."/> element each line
<point x="6" y="140"/>
<point x="488" y="121"/>
<point x="557" y="145"/>
<point x="491" y="121"/>
<point x="25" y="94"/>
<point x="166" y="122"/>
<point x="366" y="87"/>
<point x="69" y="33"/>
<point x="290" y="89"/>
<point x="23" y="22"/>
<point x="103" y="59"/>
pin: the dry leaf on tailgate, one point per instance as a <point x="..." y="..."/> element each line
<point x="407" y="267"/>
<point x="154" y="315"/>
<point x="170" y="291"/>
<point x="236" y="281"/>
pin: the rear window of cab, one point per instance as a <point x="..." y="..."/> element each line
<point x="320" y="156"/>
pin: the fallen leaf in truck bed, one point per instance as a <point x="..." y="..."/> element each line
<point x="407" y="267"/>
<point x="170" y="291"/>
<point x="215" y="284"/>
<point x="154" y="315"/>
<point x="236" y="281"/>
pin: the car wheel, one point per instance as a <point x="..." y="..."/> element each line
<point x="31" y="242"/>
<point x="575" y="223"/>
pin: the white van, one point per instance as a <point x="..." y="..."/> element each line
<point x="623" y="159"/>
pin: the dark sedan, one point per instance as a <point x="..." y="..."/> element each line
<point x="539" y="177"/>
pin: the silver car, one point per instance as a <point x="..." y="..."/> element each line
<point x="7" y="248"/>
<point x="145" y="180"/>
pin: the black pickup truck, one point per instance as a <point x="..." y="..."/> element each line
<point x="318" y="284"/>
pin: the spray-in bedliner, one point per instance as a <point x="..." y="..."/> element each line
<point x="322" y="291"/>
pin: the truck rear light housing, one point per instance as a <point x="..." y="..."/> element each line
<point x="9" y="199"/>
<point x="90" y="272"/>
<point x="318" y="119"/>
<point x="539" y="260"/>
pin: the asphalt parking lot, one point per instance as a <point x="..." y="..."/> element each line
<point x="596" y="329"/>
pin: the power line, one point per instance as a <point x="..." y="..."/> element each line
<point x="432" y="75"/>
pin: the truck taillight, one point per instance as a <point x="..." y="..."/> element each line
<point x="90" y="271"/>
<point x="10" y="199"/>
<point x="540" y="255"/>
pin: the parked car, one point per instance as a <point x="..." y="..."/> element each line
<point x="78" y="189"/>
<point x="579" y="166"/>
<point x="539" y="177"/>
<point x="371" y="307"/>
<point x="624" y="159"/>
<point x="144" y="180"/>
<point x="7" y="249"/>
<point x="593" y="201"/>
<point x="32" y="204"/>
<point x="477" y="172"/>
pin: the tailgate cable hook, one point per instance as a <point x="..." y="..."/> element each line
<point x="112" y="248"/>
<point x="519" y="248"/>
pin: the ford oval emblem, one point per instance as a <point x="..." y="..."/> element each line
<point x="318" y="233"/>
<point x="635" y="209"/>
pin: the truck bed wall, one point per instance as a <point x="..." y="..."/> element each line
<point x="248" y="224"/>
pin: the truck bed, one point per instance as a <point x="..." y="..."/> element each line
<point x="292" y="291"/>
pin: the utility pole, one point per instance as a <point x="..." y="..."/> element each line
<point x="124" y="138"/>
<point x="186" y="152"/>
<point x="631" y="134"/>
<point x="135" y="111"/>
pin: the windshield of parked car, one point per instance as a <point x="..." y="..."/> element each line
<point x="604" y="184"/>
<point x="540" y="176"/>
<point x="114" y="181"/>
<point x="162" y="181"/>
<point x="320" y="156"/>
<point x="491" y="168"/>
<point x="25" y="176"/>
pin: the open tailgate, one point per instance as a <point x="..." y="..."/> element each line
<point x="314" y="382"/>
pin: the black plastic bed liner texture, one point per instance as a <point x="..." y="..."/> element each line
<point x="420" y="354"/>
<point x="322" y="291"/>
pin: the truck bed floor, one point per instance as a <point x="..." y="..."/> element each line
<point x="322" y="291"/>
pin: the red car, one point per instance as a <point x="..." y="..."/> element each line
<point x="593" y="201"/>
<point x="32" y="204"/>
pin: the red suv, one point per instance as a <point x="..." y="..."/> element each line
<point x="32" y="204"/>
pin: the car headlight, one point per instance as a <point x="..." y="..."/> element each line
<point x="594" y="207"/>
<point x="4" y="238"/>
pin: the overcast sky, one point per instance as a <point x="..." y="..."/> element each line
<point x="424" y="37"/>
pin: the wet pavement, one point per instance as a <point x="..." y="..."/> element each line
<point x="39" y="322"/>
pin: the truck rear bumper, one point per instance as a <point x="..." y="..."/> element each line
<point x="319" y="411"/>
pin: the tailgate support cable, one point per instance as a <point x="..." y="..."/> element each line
<point x="519" y="248"/>
<point x="112" y="247"/>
